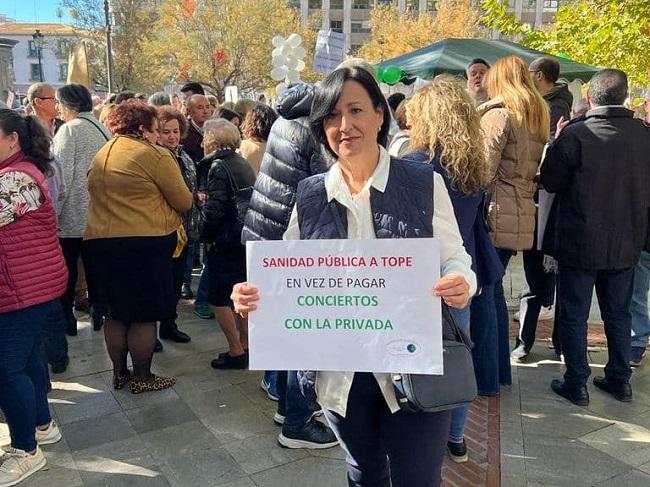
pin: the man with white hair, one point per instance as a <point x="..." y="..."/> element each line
<point x="42" y="100"/>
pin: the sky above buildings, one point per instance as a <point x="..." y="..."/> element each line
<point x="32" y="10"/>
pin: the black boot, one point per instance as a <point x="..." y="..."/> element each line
<point x="97" y="319"/>
<point x="71" y="326"/>
<point x="578" y="395"/>
<point x="169" y="331"/>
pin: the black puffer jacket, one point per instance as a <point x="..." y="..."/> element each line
<point x="291" y="155"/>
<point x="220" y="224"/>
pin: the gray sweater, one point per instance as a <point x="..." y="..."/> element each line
<point x="76" y="144"/>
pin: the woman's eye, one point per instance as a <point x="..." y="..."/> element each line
<point x="356" y="110"/>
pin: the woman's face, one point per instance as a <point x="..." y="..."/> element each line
<point x="65" y="113"/>
<point x="8" y="145"/>
<point x="151" y="135"/>
<point x="352" y="127"/>
<point x="170" y="134"/>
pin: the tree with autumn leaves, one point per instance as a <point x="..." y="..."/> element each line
<point x="223" y="43"/>
<point x="608" y="33"/>
<point x="394" y="33"/>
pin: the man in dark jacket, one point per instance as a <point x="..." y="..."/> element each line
<point x="198" y="109"/>
<point x="537" y="299"/>
<point x="599" y="167"/>
<point x="291" y="156"/>
<point x="545" y="72"/>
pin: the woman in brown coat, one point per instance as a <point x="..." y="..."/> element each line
<point x="516" y="125"/>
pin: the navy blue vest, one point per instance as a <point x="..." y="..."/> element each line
<point x="403" y="210"/>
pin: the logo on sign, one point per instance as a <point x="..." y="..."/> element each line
<point x="402" y="348"/>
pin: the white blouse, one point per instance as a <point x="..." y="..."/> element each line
<point x="333" y="388"/>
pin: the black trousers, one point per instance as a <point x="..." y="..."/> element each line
<point x="541" y="288"/>
<point x="71" y="252"/>
<point x="614" y="292"/>
<point x="178" y="270"/>
<point x="385" y="449"/>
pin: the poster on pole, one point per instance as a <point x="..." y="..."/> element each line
<point x="346" y="305"/>
<point x="329" y="51"/>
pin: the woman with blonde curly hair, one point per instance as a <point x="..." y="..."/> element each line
<point x="446" y="132"/>
<point x="516" y="124"/>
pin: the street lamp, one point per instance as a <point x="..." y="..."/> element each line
<point x="38" y="42"/>
<point x="109" y="47"/>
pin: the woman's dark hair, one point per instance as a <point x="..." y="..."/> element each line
<point x="127" y="117"/>
<point x="122" y="96"/>
<point x="230" y="115"/>
<point x="167" y="113"/>
<point x="258" y="122"/>
<point x="327" y="94"/>
<point x="34" y="138"/>
<point x="75" y="97"/>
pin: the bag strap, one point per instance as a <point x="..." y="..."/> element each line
<point x="96" y="126"/>
<point x="233" y="186"/>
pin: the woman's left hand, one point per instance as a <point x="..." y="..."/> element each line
<point x="453" y="289"/>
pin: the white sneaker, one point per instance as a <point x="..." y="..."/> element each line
<point x="547" y="313"/>
<point x="17" y="465"/>
<point x="50" y="435"/>
<point x="278" y="419"/>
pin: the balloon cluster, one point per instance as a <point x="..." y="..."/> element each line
<point x="390" y="75"/>
<point x="288" y="60"/>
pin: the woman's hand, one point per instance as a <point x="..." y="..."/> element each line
<point x="201" y="197"/>
<point x="453" y="289"/>
<point x="245" y="297"/>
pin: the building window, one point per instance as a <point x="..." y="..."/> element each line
<point x="354" y="49"/>
<point x="295" y="3"/>
<point x="62" y="48"/>
<point x="35" y="72"/>
<point x="33" y="49"/>
<point x="360" y="4"/>
<point x="63" y="72"/>
<point x="432" y="5"/>
<point x="336" y="25"/>
<point x="315" y="4"/>
<point x="336" y="4"/>
<point x="551" y="4"/>
<point x="413" y="5"/>
<point x="360" y="28"/>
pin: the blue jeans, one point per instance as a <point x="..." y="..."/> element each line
<point x="459" y="415"/>
<point x="292" y="404"/>
<point x="204" y="284"/>
<point x="192" y="246"/>
<point x="23" y="375"/>
<point x="614" y="291"/>
<point x="639" y="306"/>
<point x="483" y="330"/>
<point x="503" y="323"/>
<point x="55" y="343"/>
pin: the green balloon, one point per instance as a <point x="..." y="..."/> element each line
<point x="393" y="74"/>
<point x="380" y="74"/>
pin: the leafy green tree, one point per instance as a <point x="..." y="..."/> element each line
<point x="608" y="33"/>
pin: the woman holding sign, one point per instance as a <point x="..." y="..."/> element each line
<point x="351" y="119"/>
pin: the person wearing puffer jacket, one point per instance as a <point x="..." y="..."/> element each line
<point x="291" y="155"/>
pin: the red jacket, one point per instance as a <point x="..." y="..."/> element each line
<point x="32" y="268"/>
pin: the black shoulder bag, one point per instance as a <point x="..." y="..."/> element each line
<point x="241" y="198"/>
<point x="419" y="393"/>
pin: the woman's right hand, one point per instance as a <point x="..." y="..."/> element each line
<point x="245" y="297"/>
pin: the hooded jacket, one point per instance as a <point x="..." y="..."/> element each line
<point x="560" y="101"/>
<point x="291" y="155"/>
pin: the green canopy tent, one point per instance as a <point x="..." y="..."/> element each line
<point x="453" y="55"/>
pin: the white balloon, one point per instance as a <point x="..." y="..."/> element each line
<point x="277" y="52"/>
<point x="281" y="88"/>
<point x="291" y="62"/>
<point x="294" y="40"/>
<point x="278" y="41"/>
<point x="286" y="50"/>
<point x="300" y="66"/>
<point x="292" y="76"/>
<point x="279" y="73"/>
<point x="300" y="52"/>
<point x="278" y="61"/>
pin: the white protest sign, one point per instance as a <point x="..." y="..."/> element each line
<point x="329" y="51"/>
<point x="346" y="305"/>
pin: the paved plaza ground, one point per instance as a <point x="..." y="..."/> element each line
<point x="215" y="428"/>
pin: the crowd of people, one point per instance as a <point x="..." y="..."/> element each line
<point x="109" y="206"/>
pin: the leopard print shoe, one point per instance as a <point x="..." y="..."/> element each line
<point x="156" y="383"/>
<point x="120" y="381"/>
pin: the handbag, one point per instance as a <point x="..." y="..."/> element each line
<point x="420" y="393"/>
